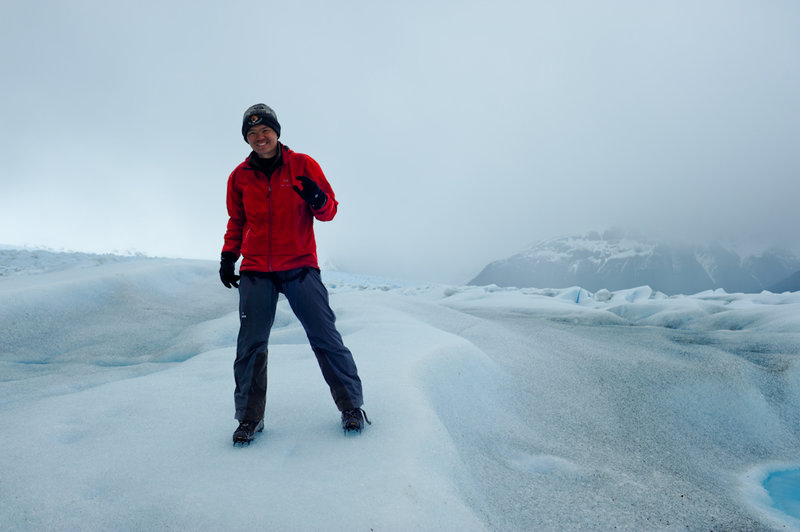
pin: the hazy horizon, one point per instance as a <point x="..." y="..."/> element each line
<point x="453" y="134"/>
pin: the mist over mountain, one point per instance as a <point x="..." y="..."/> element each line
<point x="616" y="259"/>
<point x="790" y="284"/>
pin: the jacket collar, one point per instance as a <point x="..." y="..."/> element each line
<point x="252" y="161"/>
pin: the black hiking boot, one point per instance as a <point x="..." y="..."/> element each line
<point x="353" y="420"/>
<point x="247" y="431"/>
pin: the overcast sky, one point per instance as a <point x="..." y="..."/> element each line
<point x="453" y="133"/>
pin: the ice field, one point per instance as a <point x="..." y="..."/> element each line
<point x="492" y="409"/>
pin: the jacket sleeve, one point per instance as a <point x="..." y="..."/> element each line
<point x="329" y="210"/>
<point x="236" y="218"/>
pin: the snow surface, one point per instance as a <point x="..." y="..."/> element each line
<point x="492" y="409"/>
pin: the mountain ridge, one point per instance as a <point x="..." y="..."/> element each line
<point x="617" y="259"/>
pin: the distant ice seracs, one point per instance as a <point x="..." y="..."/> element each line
<point x="27" y="261"/>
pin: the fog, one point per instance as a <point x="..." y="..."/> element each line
<point x="453" y="133"/>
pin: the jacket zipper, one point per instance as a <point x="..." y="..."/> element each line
<point x="269" y="232"/>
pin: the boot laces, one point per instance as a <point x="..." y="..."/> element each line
<point x="355" y="415"/>
<point x="247" y="426"/>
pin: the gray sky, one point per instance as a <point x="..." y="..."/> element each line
<point x="453" y="133"/>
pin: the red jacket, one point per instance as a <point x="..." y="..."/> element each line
<point x="270" y="225"/>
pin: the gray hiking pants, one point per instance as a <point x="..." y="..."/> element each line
<point x="308" y="298"/>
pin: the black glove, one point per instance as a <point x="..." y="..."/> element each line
<point x="311" y="193"/>
<point x="227" y="272"/>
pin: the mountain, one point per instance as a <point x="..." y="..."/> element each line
<point x="790" y="284"/>
<point x="615" y="260"/>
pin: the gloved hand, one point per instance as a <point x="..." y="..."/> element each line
<point x="311" y="193"/>
<point x="227" y="271"/>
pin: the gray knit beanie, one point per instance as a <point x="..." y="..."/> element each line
<point x="260" y="114"/>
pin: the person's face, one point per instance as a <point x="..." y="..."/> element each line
<point x="263" y="140"/>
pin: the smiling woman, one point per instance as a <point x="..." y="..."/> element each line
<point x="261" y="130"/>
<point x="270" y="227"/>
<point x="263" y="140"/>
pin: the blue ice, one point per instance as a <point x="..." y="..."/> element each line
<point x="784" y="489"/>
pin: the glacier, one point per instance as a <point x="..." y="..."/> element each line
<point x="493" y="408"/>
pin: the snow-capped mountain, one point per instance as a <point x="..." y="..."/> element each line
<point x="616" y="260"/>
